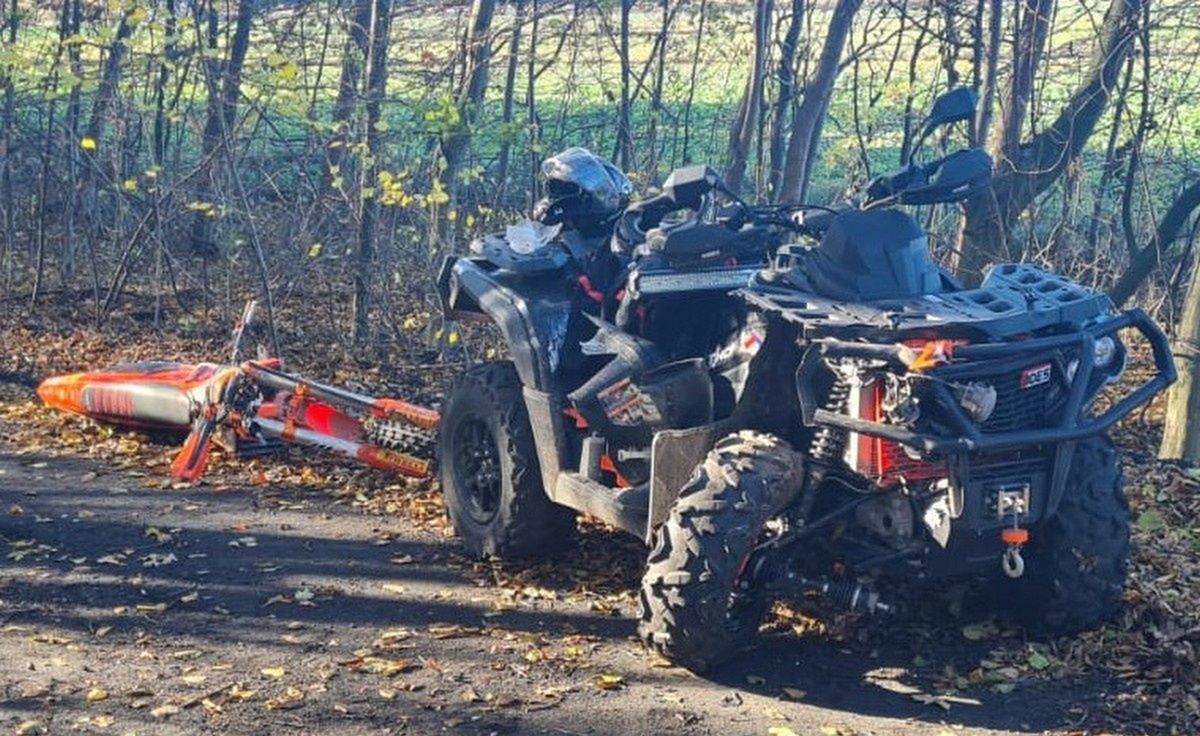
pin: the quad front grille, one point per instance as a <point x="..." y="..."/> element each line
<point x="1028" y="407"/>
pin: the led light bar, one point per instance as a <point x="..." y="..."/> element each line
<point x="712" y="279"/>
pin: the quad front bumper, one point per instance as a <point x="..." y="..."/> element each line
<point x="989" y="359"/>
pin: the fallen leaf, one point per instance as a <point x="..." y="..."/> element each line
<point x="292" y="698"/>
<point x="781" y="731"/>
<point x="380" y="666"/>
<point x="273" y="672"/>
<point x="793" y="693"/>
<point x="609" y="682"/>
<point x="165" y="711"/>
<point x="96" y="694"/>
<point x="237" y="692"/>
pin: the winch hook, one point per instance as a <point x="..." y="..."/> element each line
<point x="1011" y="560"/>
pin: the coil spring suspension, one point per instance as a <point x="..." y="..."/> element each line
<point x="828" y="443"/>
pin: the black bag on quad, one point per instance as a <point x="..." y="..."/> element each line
<point x="779" y="418"/>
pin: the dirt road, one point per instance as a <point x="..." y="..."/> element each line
<point x="126" y="609"/>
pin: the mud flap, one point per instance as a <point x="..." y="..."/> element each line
<point x="674" y="455"/>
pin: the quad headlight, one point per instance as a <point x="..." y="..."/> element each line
<point x="1106" y="352"/>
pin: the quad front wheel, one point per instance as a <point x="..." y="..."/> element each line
<point x="489" y="470"/>
<point x="695" y="608"/>
<point x="1076" y="563"/>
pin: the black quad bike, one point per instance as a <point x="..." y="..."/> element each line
<point x="783" y="418"/>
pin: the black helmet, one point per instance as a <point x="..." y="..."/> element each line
<point x="583" y="192"/>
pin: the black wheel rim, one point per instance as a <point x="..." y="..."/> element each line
<point x="477" y="468"/>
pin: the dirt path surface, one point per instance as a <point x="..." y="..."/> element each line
<point x="126" y="609"/>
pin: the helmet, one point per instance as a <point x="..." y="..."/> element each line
<point x="583" y="192"/>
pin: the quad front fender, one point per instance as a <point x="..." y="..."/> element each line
<point x="531" y="311"/>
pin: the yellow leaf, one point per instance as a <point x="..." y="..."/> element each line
<point x="194" y="679"/>
<point x="130" y="185"/>
<point x="95" y="695"/>
<point x="137" y="16"/>
<point x="273" y="672"/>
<point x="237" y="692"/>
<point x="28" y="728"/>
<point x="314" y="250"/>
<point x="164" y="711"/>
<point x="610" y="682"/>
<point x="88" y="144"/>
<point x="288" y="71"/>
<point x="452" y="338"/>
<point x="780" y="731"/>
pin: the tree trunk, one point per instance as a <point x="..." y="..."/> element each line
<point x="702" y="13"/>
<point x="624" y="126"/>
<point x="1030" y="45"/>
<point x="224" y="86"/>
<point x="11" y="23"/>
<point x="810" y="116"/>
<point x="381" y="23"/>
<point x="746" y="121"/>
<point x="1181" y="425"/>
<point x="510" y="84"/>
<point x="1145" y="260"/>
<point x="1025" y="171"/>
<point x="656" y="94"/>
<point x="354" y="56"/>
<point x="456" y="143"/>
<point x="787" y="93"/>
<point x="535" y="133"/>
<point x="987" y="78"/>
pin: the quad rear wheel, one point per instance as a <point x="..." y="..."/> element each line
<point x="694" y="607"/>
<point x="1076" y="564"/>
<point x="489" y="469"/>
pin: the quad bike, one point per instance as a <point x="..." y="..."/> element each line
<point x="778" y="419"/>
<point x="252" y="407"/>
